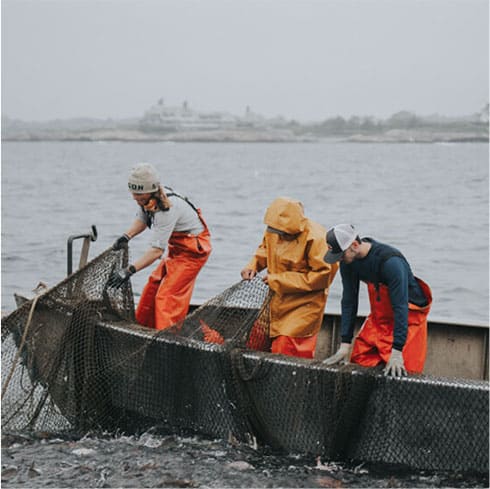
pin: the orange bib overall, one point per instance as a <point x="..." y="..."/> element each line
<point x="167" y="294"/>
<point x="286" y="345"/>
<point x="375" y="339"/>
<point x="295" y="347"/>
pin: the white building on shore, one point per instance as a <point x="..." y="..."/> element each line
<point x="165" y="118"/>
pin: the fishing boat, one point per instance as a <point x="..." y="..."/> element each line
<point x="74" y="359"/>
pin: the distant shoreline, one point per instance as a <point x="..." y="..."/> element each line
<point x="393" y="136"/>
<point x="182" y="124"/>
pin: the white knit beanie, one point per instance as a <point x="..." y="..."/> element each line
<point x="143" y="179"/>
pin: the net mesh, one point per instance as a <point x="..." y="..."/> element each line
<point x="73" y="359"/>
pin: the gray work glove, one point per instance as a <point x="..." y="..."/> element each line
<point x="341" y="356"/>
<point x="120" y="277"/>
<point x="120" y="242"/>
<point x="395" y="366"/>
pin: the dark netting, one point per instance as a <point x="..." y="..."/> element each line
<point x="231" y="317"/>
<point x="74" y="359"/>
<point x="426" y="422"/>
<point x="50" y="362"/>
<point x="357" y="413"/>
<point x="184" y="379"/>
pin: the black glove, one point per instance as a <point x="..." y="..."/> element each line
<point x="120" y="277"/>
<point x="120" y="242"/>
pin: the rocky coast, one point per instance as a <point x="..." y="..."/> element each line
<point x="245" y="136"/>
<point x="134" y="135"/>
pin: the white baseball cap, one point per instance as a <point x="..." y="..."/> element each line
<point x="143" y="179"/>
<point x="339" y="238"/>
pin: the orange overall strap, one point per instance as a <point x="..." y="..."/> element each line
<point x="374" y="342"/>
<point x="166" y="297"/>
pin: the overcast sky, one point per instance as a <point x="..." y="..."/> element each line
<point x="303" y="59"/>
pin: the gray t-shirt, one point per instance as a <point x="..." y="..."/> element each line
<point x="181" y="217"/>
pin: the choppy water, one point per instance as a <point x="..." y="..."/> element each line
<point x="431" y="201"/>
<point x="180" y="461"/>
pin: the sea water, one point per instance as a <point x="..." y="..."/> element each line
<point x="429" y="200"/>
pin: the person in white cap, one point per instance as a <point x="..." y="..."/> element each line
<point x="395" y="332"/>
<point x="178" y="227"/>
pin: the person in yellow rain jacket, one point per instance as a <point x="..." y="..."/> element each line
<point x="292" y="251"/>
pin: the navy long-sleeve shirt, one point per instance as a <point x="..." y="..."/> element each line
<point x="395" y="273"/>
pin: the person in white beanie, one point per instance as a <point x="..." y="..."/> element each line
<point x="178" y="227"/>
<point x="395" y="331"/>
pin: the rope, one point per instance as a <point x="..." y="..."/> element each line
<point x="21" y="346"/>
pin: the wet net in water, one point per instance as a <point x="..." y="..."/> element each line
<point x="73" y="359"/>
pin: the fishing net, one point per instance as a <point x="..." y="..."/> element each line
<point x="73" y="359"/>
<point x="50" y="345"/>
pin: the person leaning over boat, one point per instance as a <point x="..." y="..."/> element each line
<point x="292" y="250"/>
<point x="176" y="224"/>
<point x="395" y="331"/>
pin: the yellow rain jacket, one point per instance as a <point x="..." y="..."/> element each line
<point x="296" y="270"/>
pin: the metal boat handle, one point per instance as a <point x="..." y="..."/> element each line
<point x="87" y="238"/>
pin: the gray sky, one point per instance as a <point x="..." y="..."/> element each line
<point x="303" y="59"/>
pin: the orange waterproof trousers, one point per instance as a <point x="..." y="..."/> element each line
<point x="167" y="294"/>
<point x="374" y="342"/>
<point x="295" y="347"/>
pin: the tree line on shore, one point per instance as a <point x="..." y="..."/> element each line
<point x="403" y="120"/>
